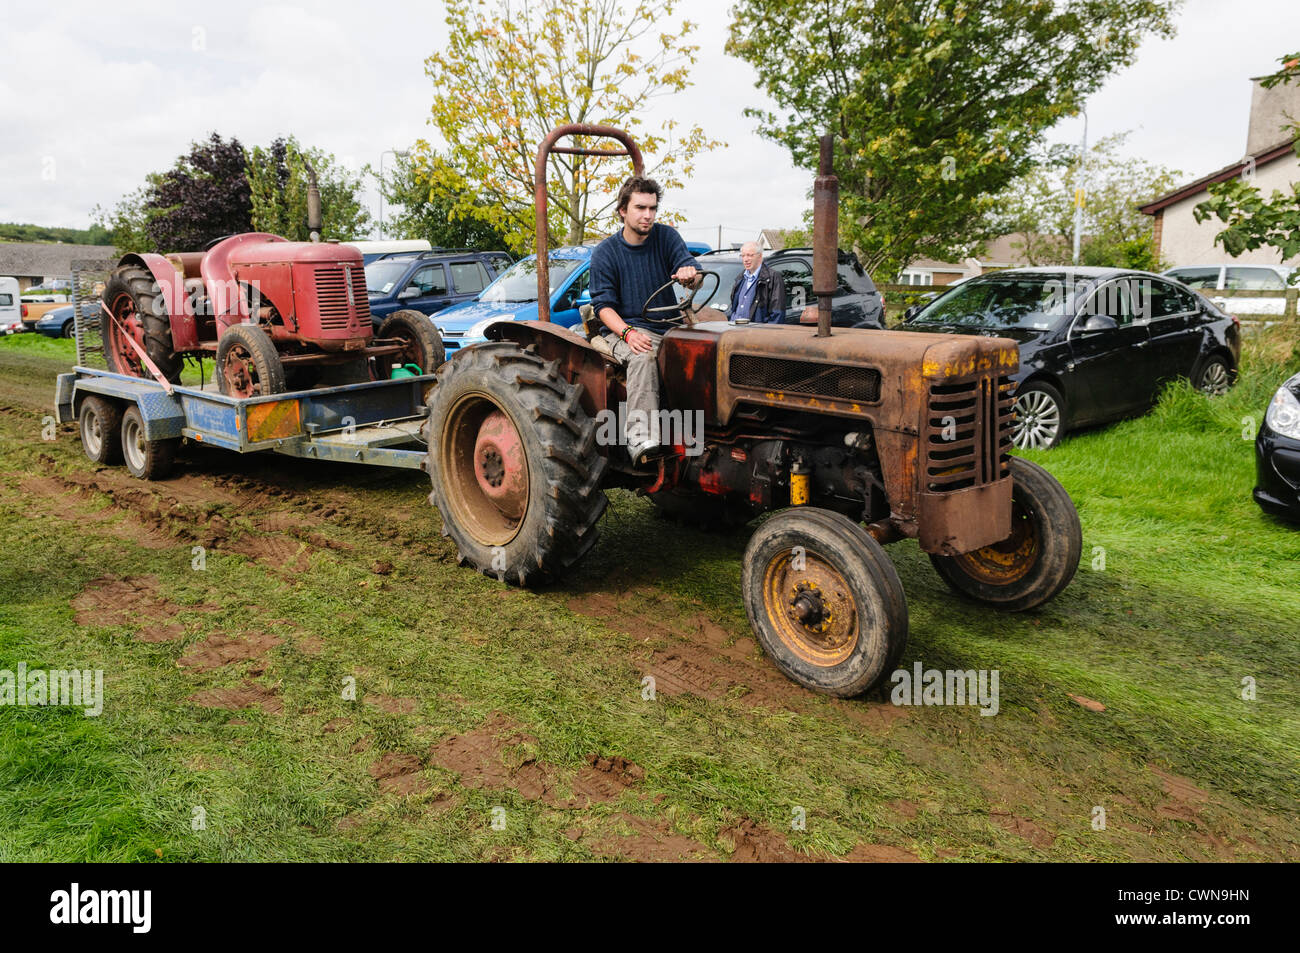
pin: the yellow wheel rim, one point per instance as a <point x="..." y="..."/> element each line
<point x="809" y="605"/>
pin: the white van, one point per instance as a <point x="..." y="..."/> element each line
<point x="11" y="314"/>
<point x="372" y="250"/>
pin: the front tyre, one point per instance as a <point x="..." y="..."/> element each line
<point x="824" y="600"/>
<point x="1036" y="561"/>
<point x="514" y="464"/>
<point x="420" y="340"/>
<point x="248" y="364"/>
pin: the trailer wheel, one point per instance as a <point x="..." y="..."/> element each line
<point x="421" y="344"/>
<point x="134" y="299"/>
<point x="145" y="459"/>
<point x="824" y="600"/>
<point x="514" y="465"/>
<point x="247" y="363"/>
<point x="1036" y="561"/>
<point x="100" y="421"/>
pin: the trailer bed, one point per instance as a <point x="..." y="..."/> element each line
<point x="376" y="422"/>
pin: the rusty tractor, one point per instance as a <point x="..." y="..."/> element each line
<point x="855" y="439"/>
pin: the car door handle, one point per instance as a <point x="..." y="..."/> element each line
<point x="1142" y="344"/>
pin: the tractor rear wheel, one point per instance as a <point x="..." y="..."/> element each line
<point x="1036" y="561"/>
<point x="421" y="344"/>
<point x="247" y="363"/>
<point x="514" y="465"/>
<point x="134" y="308"/>
<point x="824" y="600"/>
<point x="101" y="439"/>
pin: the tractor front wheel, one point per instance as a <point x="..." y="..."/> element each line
<point x="420" y="340"/>
<point x="514" y="464"/>
<point x="1036" y="561"/>
<point x="247" y="363"/>
<point x="824" y="600"/>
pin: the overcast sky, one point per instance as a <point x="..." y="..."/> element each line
<point x="95" y="95"/>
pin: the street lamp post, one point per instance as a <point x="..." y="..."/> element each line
<point x="1079" y="193"/>
<point x="400" y="154"/>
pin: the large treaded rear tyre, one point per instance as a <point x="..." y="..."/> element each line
<point x="1036" y="561"/>
<point x="513" y="464"/>
<point x="132" y="295"/>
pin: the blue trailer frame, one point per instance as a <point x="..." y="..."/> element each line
<point x="373" y="422"/>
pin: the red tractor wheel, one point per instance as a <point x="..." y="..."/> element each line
<point x="514" y="463"/>
<point x="247" y="363"/>
<point x="421" y="344"/>
<point x="134" y="309"/>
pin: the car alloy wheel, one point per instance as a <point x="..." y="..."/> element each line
<point x="1038" y="420"/>
<point x="1214" y="379"/>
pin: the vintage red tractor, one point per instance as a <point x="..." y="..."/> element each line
<point x="276" y="315"/>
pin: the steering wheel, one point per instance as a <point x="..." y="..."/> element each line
<point x="689" y="303"/>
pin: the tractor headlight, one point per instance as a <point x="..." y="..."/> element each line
<point x="478" y="330"/>
<point x="1283" y="415"/>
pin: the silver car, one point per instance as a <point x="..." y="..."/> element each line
<point x="1218" y="282"/>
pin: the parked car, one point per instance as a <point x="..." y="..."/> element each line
<point x="1095" y="343"/>
<point x="429" y="281"/>
<point x="1277" y="454"/>
<point x="513" y="297"/>
<point x="11" y="315"/>
<point x="370" y="250"/>
<point x="1218" y="282"/>
<point x="59" y="322"/>
<point x="855" y="304"/>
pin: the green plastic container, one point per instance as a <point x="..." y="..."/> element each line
<point x="406" y="370"/>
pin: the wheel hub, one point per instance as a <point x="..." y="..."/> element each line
<point x="811" y="607"/>
<point x="499" y="465"/>
<point x="808" y="607"/>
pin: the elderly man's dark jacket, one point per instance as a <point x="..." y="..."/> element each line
<point x="769" y="296"/>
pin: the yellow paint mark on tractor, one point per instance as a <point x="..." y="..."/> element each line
<point x="279" y="418"/>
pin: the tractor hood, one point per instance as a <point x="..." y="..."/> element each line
<point x="854" y="372"/>
<point x="276" y="252"/>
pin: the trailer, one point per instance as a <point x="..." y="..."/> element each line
<point x="142" y="420"/>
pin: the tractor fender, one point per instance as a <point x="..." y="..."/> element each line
<point x="580" y="362"/>
<point x="171" y="283"/>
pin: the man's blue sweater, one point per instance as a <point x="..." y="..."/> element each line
<point x="623" y="275"/>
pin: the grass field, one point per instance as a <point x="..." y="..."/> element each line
<point x="494" y="723"/>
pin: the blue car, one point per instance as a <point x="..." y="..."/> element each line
<point x="513" y="297"/>
<point x="58" y="323"/>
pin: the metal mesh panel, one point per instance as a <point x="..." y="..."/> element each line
<point x="88" y="278"/>
<point x="836" y="381"/>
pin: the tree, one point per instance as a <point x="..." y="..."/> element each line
<point x="277" y="177"/>
<point x="1039" y="207"/>
<point x="204" y="196"/>
<point x="422" y="209"/>
<point x="218" y="189"/>
<point x="510" y="73"/>
<point x="1253" y="221"/>
<point x="936" y="105"/>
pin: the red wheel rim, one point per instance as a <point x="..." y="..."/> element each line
<point x="124" y="318"/>
<point x="238" y="372"/>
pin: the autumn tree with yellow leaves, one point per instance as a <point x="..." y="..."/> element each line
<point x="511" y="72"/>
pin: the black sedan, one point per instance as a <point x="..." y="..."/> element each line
<point x="1277" y="454"/>
<point x="1095" y="343"/>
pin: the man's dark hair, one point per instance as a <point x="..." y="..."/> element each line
<point x="638" y="183"/>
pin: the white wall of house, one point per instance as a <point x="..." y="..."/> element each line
<point x="1185" y="242"/>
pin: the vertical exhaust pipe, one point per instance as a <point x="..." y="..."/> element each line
<point x="313" y="203"/>
<point x="826" y="234"/>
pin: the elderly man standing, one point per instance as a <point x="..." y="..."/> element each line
<point x="758" y="293"/>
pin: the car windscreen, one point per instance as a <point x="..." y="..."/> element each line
<point x="382" y="276"/>
<point x="727" y="273"/>
<point x="520" y="282"/>
<point x="1035" y="302"/>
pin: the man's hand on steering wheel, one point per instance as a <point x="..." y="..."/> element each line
<point x="688" y="276"/>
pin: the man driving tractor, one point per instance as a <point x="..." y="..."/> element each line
<point x="626" y="268"/>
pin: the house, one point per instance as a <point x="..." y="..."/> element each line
<point x="1269" y="163"/>
<point x="34" y="263"/>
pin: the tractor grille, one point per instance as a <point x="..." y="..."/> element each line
<point x="968" y="433"/>
<point x="836" y="381"/>
<point x="336" y="311"/>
